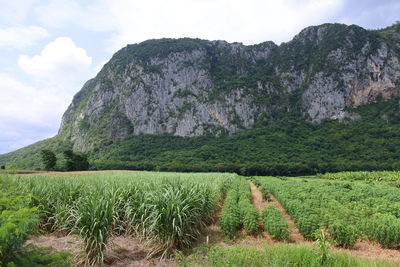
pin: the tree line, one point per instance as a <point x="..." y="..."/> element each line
<point x="73" y="161"/>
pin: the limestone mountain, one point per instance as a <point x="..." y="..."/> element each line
<point x="199" y="89"/>
<point x="191" y="87"/>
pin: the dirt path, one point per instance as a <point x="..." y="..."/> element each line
<point x="260" y="204"/>
<point x="257" y="198"/>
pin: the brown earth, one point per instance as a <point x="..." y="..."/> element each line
<point x="257" y="197"/>
<point x="121" y="250"/>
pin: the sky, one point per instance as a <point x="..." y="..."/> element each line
<point x="49" y="48"/>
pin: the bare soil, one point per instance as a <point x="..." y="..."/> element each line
<point x="257" y="197"/>
<point x="122" y="251"/>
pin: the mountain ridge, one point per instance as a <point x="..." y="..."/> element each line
<point x="192" y="87"/>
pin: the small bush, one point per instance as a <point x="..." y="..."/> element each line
<point x="307" y="225"/>
<point x="385" y="229"/>
<point x="32" y="256"/>
<point x="15" y="226"/>
<point x="342" y="234"/>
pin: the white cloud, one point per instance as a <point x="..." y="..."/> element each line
<point x="27" y="113"/>
<point x="59" y="13"/>
<point x="34" y="108"/>
<point x="20" y="103"/>
<point x="14" y="12"/>
<point x="21" y="37"/>
<point x="232" y="20"/>
<point x="250" y="22"/>
<point x="60" y="62"/>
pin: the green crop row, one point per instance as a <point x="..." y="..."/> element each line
<point x="387" y="176"/>
<point x="167" y="210"/>
<point x="238" y="210"/>
<point x="274" y="223"/>
<point x="348" y="210"/>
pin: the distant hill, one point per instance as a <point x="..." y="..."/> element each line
<point x="191" y="104"/>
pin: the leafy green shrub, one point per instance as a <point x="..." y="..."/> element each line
<point x="15" y="226"/>
<point x="385" y="229"/>
<point x="17" y="220"/>
<point x="343" y="234"/>
<point x="344" y="208"/>
<point x="274" y="223"/>
<point x="32" y="256"/>
<point x="308" y="224"/>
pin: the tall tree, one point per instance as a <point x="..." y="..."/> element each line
<point x="75" y="161"/>
<point x="49" y="159"/>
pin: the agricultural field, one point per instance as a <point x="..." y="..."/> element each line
<point x="197" y="219"/>
<point x="384" y="176"/>
<point x="349" y="210"/>
<point x="167" y="210"/>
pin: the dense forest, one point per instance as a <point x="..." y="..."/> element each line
<point x="289" y="146"/>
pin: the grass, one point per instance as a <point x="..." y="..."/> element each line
<point x="278" y="255"/>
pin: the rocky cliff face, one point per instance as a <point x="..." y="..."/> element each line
<point x="191" y="87"/>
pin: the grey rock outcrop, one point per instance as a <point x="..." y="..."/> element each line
<point x="191" y="87"/>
